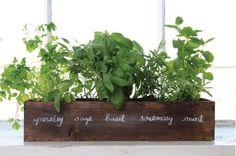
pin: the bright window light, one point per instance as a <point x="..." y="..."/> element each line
<point x="14" y="16"/>
<point x="136" y="19"/>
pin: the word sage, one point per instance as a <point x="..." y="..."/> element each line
<point x="86" y="119"/>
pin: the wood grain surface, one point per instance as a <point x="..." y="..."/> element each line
<point x="139" y="120"/>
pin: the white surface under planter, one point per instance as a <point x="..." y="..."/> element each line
<point x="11" y="143"/>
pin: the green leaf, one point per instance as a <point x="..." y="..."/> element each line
<point x="196" y="40"/>
<point x="161" y="45"/>
<point x="189" y="51"/>
<point x="188" y="32"/>
<point x="172" y="26"/>
<point x="102" y="92"/>
<point x="107" y="82"/>
<point x="51" y="95"/>
<point x="65" y="40"/>
<point x="179" y="20"/>
<point x="51" y="27"/>
<point x="88" y="84"/>
<point x="177" y="65"/>
<point x="102" y="66"/>
<point x="67" y="98"/>
<point x="65" y="85"/>
<point x="178" y="43"/>
<point x="209" y="40"/>
<point x="127" y="67"/>
<point x="31" y="45"/>
<point x="197" y="31"/>
<point x="138" y="47"/>
<point x="206" y="91"/>
<point x="97" y="34"/>
<point x="122" y="82"/>
<point x="117" y="98"/>
<point x="123" y="41"/>
<point x="119" y="72"/>
<point x="77" y="89"/>
<point x="208" y="75"/>
<point x="57" y="102"/>
<point x="25" y="97"/>
<point x="16" y="125"/>
<point x="208" y="56"/>
<point x="193" y="45"/>
<point x="54" y="38"/>
<point x="19" y="99"/>
<point x="139" y="59"/>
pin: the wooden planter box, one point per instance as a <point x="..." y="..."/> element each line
<point x="139" y="120"/>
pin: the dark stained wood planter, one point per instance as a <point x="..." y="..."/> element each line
<point x="139" y="120"/>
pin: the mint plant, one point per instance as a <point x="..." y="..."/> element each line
<point x="187" y="75"/>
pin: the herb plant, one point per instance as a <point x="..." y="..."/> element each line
<point x="109" y="67"/>
<point x="48" y="82"/>
<point x="148" y="80"/>
<point x="187" y="75"/>
<point x="109" y="62"/>
<point x="182" y="78"/>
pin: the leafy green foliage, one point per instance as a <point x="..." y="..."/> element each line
<point x="177" y="79"/>
<point x="179" y="20"/>
<point x="109" y="67"/>
<point x="148" y="79"/>
<point x="186" y="76"/>
<point x="110" y="61"/>
<point x="51" y="81"/>
<point x="14" y="82"/>
<point x="15" y="123"/>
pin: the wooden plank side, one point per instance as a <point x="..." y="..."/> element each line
<point x="97" y="120"/>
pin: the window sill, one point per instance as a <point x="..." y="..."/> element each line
<point x="11" y="142"/>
